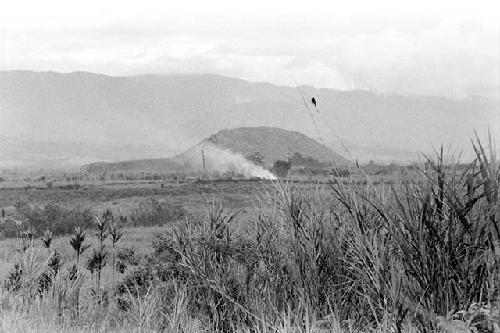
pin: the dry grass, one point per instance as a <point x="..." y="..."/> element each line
<point x="417" y="255"/>
<point x="139" y="239"/>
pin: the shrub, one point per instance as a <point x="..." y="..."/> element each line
<point x="46" y="278"/>
<point x="99" y="258"/>
<point x="76" y="243"/>
<point x="125" y="257"/>
<point x="152" y="212"/>
<point x="13" y="280"/>
<point x="281" y="168"/>
<point x="57" y="219"/>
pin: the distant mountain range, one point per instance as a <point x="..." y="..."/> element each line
<point x="62" y="120"/>
<point x="228" y="149"/>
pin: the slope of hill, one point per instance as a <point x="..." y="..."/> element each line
<point x="273" y="143"/>
<point x="174" y="112"/>
<point x="227" y="149"/>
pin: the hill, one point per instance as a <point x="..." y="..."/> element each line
<point x="227" y="149"/>
<point x="163" y="115"/>
<point x="273" y="143"/>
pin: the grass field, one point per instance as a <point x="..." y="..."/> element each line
<point x="412" y="252"/>
<point x="121" y="196"/>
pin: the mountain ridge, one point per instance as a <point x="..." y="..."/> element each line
<point x="169" y="113"/>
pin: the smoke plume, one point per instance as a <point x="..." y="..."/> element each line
<point x="222" y="161"/>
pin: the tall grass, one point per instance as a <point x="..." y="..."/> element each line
<point x="418" y="255"/>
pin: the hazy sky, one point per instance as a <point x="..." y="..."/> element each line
<point x="422" y="47"/>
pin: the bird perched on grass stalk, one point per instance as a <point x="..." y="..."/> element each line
<point x="313" y="101"/>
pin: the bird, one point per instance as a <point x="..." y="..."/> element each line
<point x="313" y="101"/>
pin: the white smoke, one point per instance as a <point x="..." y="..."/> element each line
<point x="223" y="160"/>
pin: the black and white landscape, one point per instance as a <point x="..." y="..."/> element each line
<point x="250" y="166"/>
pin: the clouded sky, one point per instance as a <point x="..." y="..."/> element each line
<point x="409" y="47"/>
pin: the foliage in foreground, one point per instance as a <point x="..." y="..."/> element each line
<point x="418" y="256"/>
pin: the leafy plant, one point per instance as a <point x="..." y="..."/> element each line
<point x="98" y="260"/>
<point x="76" y="242"/>
<point x="115" y="234"/>
<point x="46" y="239"/>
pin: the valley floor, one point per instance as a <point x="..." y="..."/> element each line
<point x="408" y="255"/>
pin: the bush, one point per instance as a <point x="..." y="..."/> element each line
<point x="13" y="280"/>
<point x="152" y="213"/>
<point x="281" y="168"/>
<point x="60" y="220"/>
<point x="125" y="257"/>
